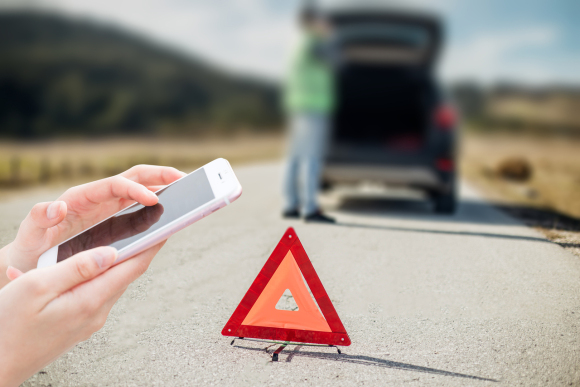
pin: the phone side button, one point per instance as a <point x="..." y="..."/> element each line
<point x="193" y="220"/>
<point x="211" y="210"/>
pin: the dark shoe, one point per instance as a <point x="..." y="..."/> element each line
<point x="318" y="216"/>
<point x="291" y="214"/>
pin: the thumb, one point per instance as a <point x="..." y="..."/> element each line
<point x="79" y="268"/>
<point x="41" y="217"/>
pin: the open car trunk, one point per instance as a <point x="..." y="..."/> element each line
<point x="386" y="107"/>
<point x="384" y="85"/>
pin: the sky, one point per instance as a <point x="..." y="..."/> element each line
<point x="532" y="42"/>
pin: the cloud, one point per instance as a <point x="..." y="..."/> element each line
<point x="496" y="56"/>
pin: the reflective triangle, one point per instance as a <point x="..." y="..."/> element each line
<point x="315" y="321"/>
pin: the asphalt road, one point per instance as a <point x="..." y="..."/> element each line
<point x="475" y="299"/>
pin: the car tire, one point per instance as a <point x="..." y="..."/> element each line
<point x="445" y="204"/>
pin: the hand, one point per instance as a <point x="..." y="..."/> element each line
<point x="79" y="208"/>
<point x="45" y="312"/>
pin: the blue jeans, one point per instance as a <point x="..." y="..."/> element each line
<point x="308" y="140"/>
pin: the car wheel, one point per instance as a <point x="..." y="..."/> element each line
<point x="445" y="204"/>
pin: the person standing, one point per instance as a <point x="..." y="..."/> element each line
<point x="309" y="102"/>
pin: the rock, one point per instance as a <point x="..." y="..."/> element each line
<point x="515" y="169"/>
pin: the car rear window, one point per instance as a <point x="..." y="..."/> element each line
<point x="394" y="34"/>
<point x="384" y="43"/>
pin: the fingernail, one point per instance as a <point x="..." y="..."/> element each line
<point x="53" y="211"/>
<point x="150" y="193"/>
<point x="105" y="256"/>
<point x="12" y="273"/>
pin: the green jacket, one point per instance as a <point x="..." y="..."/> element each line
<point x="310" y="83"/>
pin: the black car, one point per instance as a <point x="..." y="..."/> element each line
<point x="392" y="124"/>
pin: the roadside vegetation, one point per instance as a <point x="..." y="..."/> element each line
<point x="82" y="100"/>
<point x="29" y="164"/>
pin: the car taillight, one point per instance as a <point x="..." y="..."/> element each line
<point x="445" y="117"/>
<point x="444" y="164"/>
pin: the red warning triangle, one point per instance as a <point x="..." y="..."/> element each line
<point x="287" y="269"/>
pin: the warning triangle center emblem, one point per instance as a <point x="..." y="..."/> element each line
<point x="286" y="302"/>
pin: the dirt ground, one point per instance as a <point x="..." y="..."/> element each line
<point x="549" y="199"/>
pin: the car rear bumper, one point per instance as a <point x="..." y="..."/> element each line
<point x="414" y="176"/>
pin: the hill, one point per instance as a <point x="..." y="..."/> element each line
<point x="61" y="76"/>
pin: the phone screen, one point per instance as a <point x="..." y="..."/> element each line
<point x="134" y="223"/>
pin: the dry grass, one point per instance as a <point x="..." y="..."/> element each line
<point x="55" y="162"/>
<point x="549" y="199"/>
<point x="556" y="110"/>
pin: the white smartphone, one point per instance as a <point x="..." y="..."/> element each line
<point x="137" y="227"/>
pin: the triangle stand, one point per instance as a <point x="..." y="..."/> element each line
<point x="284" y="345"/>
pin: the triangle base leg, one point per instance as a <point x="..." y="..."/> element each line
<point x="277" y="352"/>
